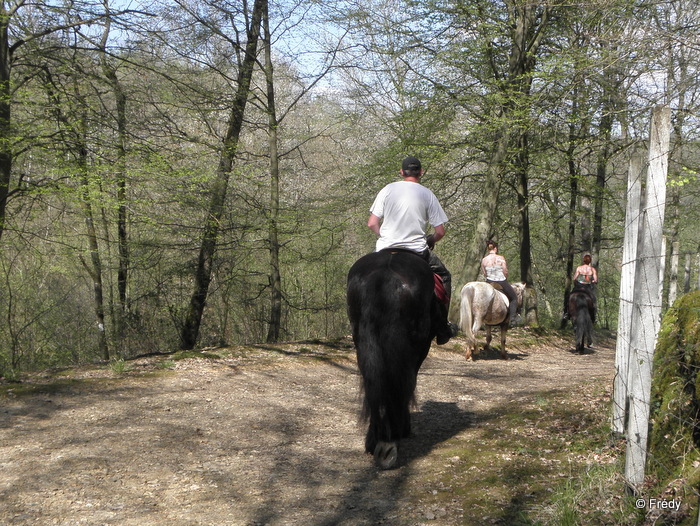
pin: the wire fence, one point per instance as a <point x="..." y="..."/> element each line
<point x="655" y="406"/>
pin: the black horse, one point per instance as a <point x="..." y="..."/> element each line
<point x="581" y="309"/>
<point x="391" y="307"/>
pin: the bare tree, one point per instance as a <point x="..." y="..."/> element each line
<point x="273" y="332"/>
<point x="203" y="272"/>
<point x="109" y="70"/>
<point x="10" y="44"/>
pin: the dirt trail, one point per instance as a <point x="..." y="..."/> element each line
<point x="267" y="439"/>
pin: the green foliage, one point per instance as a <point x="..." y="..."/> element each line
<point x="686" y="177"/>
<point x="7" y="372"/>
<point x="167" y="364"/>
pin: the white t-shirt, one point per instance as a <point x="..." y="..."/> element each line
<point x="406" y="208"/>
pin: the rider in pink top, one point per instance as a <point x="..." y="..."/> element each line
<point x="586" y="274"/>
<point x="585" y="279"/>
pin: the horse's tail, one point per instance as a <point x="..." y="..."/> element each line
<point x="465" y="315"/>
<point x="389" y="388"/>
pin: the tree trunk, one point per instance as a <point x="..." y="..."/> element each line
<point x="476" y="246"/>
<point x="94" y="269"/>
<point x="122" y="238"/>
<point x="673" y="280"/>
<point x="528" y="24"/>
<point x="522" y="164"/>
<point x="573" y="199"/>
<point x="189" y="332"/>
<point x="5" y="115"/>
<point x="604" y="132"/>
<point x="273" y="333"/>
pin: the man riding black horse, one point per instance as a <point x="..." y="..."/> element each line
<point x="400" y="216"/>
<point x="393" y="315"/>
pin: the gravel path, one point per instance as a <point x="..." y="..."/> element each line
<point x="267" y="437"/>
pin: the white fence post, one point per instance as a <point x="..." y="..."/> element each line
<point x="673" y="284"/>
<point x="624" y="317"/>
<point x="646" y="312"/>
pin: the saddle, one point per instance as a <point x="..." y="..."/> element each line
<point x="499" y="290"/>
<point x="584" y="287"/>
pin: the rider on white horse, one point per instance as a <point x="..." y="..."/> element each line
<point x="495" y="270"/>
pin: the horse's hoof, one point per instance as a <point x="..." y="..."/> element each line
<point x="386" y="454"/>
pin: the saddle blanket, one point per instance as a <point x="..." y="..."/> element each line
<point x="500" y="292"/>
<point x="440" y="291"/>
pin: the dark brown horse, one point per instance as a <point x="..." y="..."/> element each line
<point x="582" y="312"/>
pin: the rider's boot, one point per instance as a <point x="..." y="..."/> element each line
<point x="446" y="329"/>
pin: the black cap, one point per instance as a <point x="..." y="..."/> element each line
<point x="411" y="163"/>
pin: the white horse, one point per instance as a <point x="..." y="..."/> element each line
<point x="481" y="304"/>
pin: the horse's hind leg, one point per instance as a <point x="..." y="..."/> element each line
<point x="386" y="451"/>
<point x="381" y="442"/>
<point x="504" y="330"/>
<point x="580" y="341"/>
<point x="473" y="350"/>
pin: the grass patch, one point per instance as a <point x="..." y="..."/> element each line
<point x="119" y="366"/>
<point x="549" y="461"/>
<point x="56" y="386"/>
<point x="166" y="365"/>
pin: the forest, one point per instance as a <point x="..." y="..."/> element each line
<point x="194" y="173"/>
